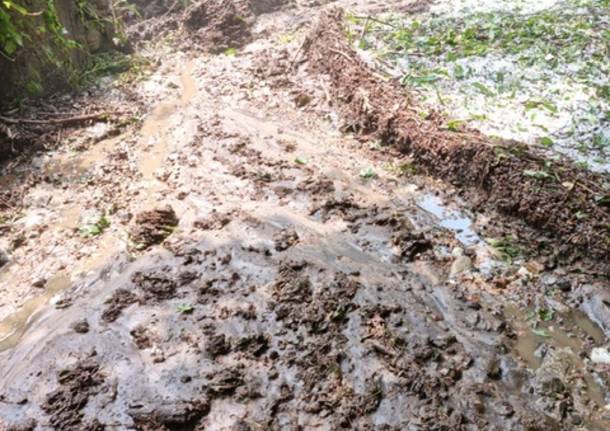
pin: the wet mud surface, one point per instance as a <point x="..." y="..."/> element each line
<point x="277" y="273"/>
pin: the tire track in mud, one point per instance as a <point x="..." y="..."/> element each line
<point x="291" y="296"/>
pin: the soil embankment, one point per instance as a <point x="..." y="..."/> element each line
<point x="567" y="203"/>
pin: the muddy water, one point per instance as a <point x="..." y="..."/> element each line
<point x="532" y="343"/>
<point x="13" y="327"/>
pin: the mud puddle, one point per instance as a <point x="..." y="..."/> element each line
<point x="450" y="219"/>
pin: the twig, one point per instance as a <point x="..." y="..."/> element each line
<point x="342" y="53"/>
<point x="370" y="18"/>
<point x="76" y="119"/>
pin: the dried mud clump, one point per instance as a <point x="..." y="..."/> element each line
<point x="65" y="404"/>
<point x="285" y="239"/>
<point x="155" y="286"/>
<point x="551" y="196"/>
<point x="153" y="227"/>
<point x="219" y="24"/>
<point x="120" y="299"/>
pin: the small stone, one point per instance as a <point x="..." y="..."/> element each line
<point x="460" y="265"/>
<point x="302" y="100"/>
<point x="4" y="258"/>
<point x="39" y="283"/>
<point x="600" y="355"/>
<point x="81" y="326"/>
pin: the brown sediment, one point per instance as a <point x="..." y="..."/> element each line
<point x="555" y="197"/>
<point x="152" y="227"/>
<point x="65" y="404"/>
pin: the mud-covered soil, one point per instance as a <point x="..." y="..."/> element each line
<point x="259" y="268"/>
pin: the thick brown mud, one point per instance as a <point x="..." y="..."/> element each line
<point x="278" y="274"/>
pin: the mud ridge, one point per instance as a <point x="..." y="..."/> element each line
<point x="554" y="197"/>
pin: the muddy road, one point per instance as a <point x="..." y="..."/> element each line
<point x="234" y="261"/>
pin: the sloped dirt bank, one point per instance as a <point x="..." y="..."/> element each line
<point x="565" y="202"/>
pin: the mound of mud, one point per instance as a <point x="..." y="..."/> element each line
<point x="219" y="24"/>
<point x="65" y="404"/>
<point x="152" y="227"/>
<point x="565" y="202"/>
<point x="214" y="25"/>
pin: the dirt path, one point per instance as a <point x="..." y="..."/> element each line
<point x="308" y="284"/>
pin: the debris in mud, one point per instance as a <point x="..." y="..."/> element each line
<point x="156" y="286"/>
<point x="153" y="227"/>
<point x="120" y="299"/>
<point x="170" y="416"/>
<point x="299" y="303"/>
<point x="224" y="382"/>
<point x="285" y="239"/>
<point x="4" y="258"/>
<point x="219" y="25"/>
<point x="254" y="345"/>
<point x="77" y="384"/>
<point x="214" y="221"/>
<point x="81" y="326"/>
<point x="494" y="172"/>
<point x="341" y="207"/>
<point x="217" y="345"/>
<point x="141" y="337"/>
<point x="411" y="244"/>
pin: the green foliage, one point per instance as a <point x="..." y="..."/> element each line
<point x="19" y="26"/>
<point x="10" y="36"/>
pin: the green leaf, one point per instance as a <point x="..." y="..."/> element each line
<point x="454" y="125"/>
<point x="546" y="142"/>
<point x="94" y="227"/>
<point x="539" y="175"/>
<point x="300" y="161"/>
<point x="546" y="315"/>
<point x="483" y="89"/>
<point x="186" y="309"/>
<point x="535" y="104"/>
<point x="367" y="173"/>
<point x="230" y="52"/>
<point x="541" y="332"/>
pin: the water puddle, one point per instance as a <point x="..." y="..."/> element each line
<point x="14" y="326"/>
<point x="531" y="342"/>
<point x="450" y="219"/>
